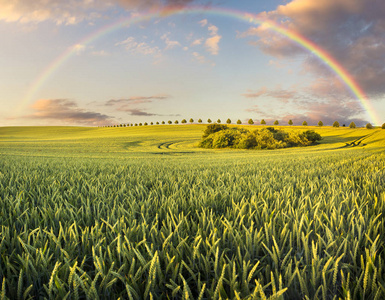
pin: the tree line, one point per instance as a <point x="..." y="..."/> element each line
<point x="239" y="122"/>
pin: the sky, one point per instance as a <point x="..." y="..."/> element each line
<point x="105" y="62"/>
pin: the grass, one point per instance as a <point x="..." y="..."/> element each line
<point x="142" y="213"/>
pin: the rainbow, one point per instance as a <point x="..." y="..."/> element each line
<point x="305" y="43"/>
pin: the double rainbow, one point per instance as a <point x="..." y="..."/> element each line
<point x="305" y="43"/>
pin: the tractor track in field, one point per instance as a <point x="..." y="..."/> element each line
<point x="358" y="142"/>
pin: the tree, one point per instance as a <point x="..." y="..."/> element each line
<point x="219" y="121"/>
<point x="191" y="120"/>
<point x="136" y="124"/>
<point x="200" y="121"/>
<point x="276" y="122"/>
<point x="176" y="122"/>
<point x="251" y="122"/>
<point x="169" y="122"/>
<point x="184" y="121"/>
<point x="239" y="122"/>
<point x="352" y="125"/>
<point x="369" y="126"/>
<point x="304" y="123"/>
<point x="209" y="121"/>
<point x="145" y="124"/>
<point x="152" y="123"/>
<point x="163" y="122"/>
<point x="320" y="124"/>
<point x="383" y="126"/>
<point x="263" y="122"/>
<point x="140" y="124"/>
<point x="336" y="124"/>
<point x="290" y="122"/>
<point x="157" y="123"/>
<point x="228" y="121"/>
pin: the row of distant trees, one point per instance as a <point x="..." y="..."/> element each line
<point x="228" y="121"/>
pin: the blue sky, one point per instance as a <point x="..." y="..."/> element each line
<point x="188" y="66"/>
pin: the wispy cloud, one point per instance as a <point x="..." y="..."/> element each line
<point x="143" y="48"/>
<point x="66" y="111"/>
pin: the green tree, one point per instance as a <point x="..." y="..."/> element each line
<point x="157" y="123"/>
<point x="304" y="123"/>
<point x="336" y="124"/>
<point x="228" y="121"/>
<point x="276" y="122"/>
<point x="191" y="120"/>
<point x="239" y="122"/>
<point x="219" y="121"/>
<point x="320" y="124"/>
<point x="145" y="123"/>
<point x="369" y="126"/>
<point x="352" y="125"/>
<point x="163" y="122"/>
<point x="140" y="124"/>
<point x="263" y="122"/>
<point x="136" y="124"/>
<point x="200" y="121"/>
<point x="251" y="122"/>
<point x="152" y="123"/>
<point x="290" y="122"/>
<point x="176" y="122"/>
<point x="169" y="122"/>
<point x="184" y="121"/>
<point x="383" y="126"/>
<point x="209" y="121"/>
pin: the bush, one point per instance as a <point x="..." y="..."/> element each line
<point x="263" y="122"/>
<point x="369" y="126"/>
<point x="304" y="123"/>
<point x="290" y="122"/>
<point x="221" y="136"/>
<point x="352" y="125"/>
<point x="228" y="121"/>
<point x="157" y="123"/>
<point x="184" y="121"/>
<point x="176" y="122"/>
<point x="212" y="128"/>
<point x="191" y="120"/>
<point x="336" y="124"/>
<point x="383" y="126"/>
<point x="239" y="122"/>
<point x="145" y="123"/>
<point x="219" y="121"/>
<point x="312" y="136"/>
<point x="169" y="122"/>
<point x="209" y="121"/>
<point x="200" y="121"/>
<point x="251" y="122"/>
<point x="276" y="122"/>
<point x="320" y="123"/>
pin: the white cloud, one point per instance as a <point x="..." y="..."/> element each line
<point x="135" y="47"/>
<point x="203" y="22"/>
<point x="212" y="44"/>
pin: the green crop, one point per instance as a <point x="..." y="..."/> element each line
<point x="141" y="213"/>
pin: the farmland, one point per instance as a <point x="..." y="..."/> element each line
<point x="143" y="213"/>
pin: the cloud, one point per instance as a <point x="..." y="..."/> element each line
<point x="74" y="11"/>
<point x="78" y="48"/>
<point x="66" y="111"/>
<point x="134" y="105"/>
<point x="351" y="31"/>
<point x="212" y="44"/>
<point x="203" y="22"/>
<point x="306" y="103"/>
<point x="143" y="48"/>
<point x="136" y="100"/>
<point x="169" y="43"/>
<point x="213" y="29"/>
<point x="197" y="42"/>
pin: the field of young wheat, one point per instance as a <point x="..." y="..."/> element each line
<point x="142" y="213"/>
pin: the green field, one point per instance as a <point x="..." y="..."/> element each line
<point x="142" y="213"/>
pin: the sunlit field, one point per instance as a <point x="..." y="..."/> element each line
<point x="143" y="213"/>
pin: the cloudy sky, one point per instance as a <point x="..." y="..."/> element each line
<point x="70" y="63"/>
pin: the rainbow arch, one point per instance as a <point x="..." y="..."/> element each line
<point x="305" y="43"/>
